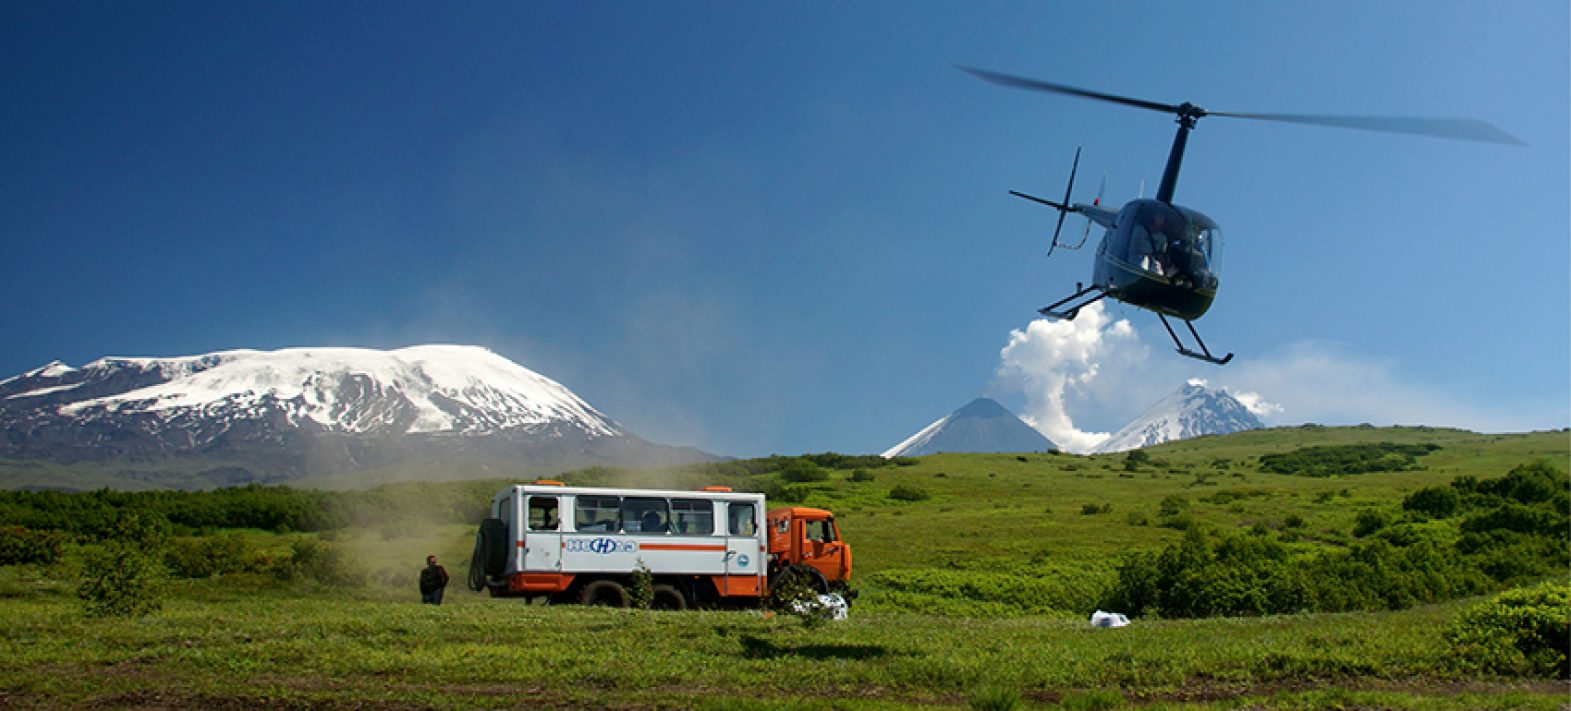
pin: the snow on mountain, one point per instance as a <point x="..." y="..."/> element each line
<point x="244" y="416"/>
<point x="1191" y="411"/>
<point x="421" y="389"/>
<point x="983" y="425"/>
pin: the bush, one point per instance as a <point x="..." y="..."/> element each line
<point x="1368" y="522"/>
<point x="1092" y="509"/>
<point x="861" y="475"/>
<point x="1528" y="484"/>
<point x="908" y="492"/>
<point x="1433" y="501"/>
<point x="641" y="587"/>
<point x="311" y="559"/>
<point x="803" y="471"/>
<point x="1329" y="460"/>
<point x="1172" y="505"/>
<point x="208" y="556"/>
<point x="995" y="698"/>
<point x="22" y="546"/>
<point x="124" y="577"/>
<point x="1519" y="632"/>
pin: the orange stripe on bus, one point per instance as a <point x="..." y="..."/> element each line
<point x="678" y="547"/>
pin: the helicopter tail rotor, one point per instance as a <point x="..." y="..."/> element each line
<point x="1063" y="208"/>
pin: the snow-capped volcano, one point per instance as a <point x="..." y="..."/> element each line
<point x="1191" y="411"/>
<point x="307" y="411"/>
<point x="420" y="389"/>
<point x="983" y="425"/>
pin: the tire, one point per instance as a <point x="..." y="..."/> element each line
<point x="604" y="593"/>
<point x="494" y="545"/>
<point x="802" y="575"/>
<point x="667" y="597"/>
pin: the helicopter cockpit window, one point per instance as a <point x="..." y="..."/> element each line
<point x="1178" y="244"/>
<point x="1155" y="226"/>
<point x="1195" y="256"/>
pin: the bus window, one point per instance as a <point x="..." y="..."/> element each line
<point x="692" y="517"/>
<point x="542" y="513"/>
<point x="741" y="520"/>
<point x="596" y="513"/>
<point x="644" y="515"/>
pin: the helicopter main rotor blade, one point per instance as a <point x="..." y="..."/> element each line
<point x="1463" y="129"/>
<point x="1038" y="85"/>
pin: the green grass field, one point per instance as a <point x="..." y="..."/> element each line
<point x="976" y="597"/>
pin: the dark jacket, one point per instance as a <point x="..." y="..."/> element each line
<point x="432" y="579"/>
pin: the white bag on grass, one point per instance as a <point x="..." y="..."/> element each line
<point x="1108" y="619"/>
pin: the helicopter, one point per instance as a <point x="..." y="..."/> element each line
<point x="1160" y="256"/>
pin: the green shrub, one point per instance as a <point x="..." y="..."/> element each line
<point x="1173" y="505"/>
<point x="208" y="556"/>
<point x="803" y="471"/>
<point x="1255" y="574"/>
<point x="641" y="587"/>
<point x="1528" y="483"/>
<point x="1433" y="501"/>
<point x="861" y="475"/>
<point x="1368" y="522"/>
<point x="995" y="698"/>
<point x="908" y="492"/>
<point x="1330" y="460"/>
<point x="22" y="546"/>
<point x="326" y="563"/>
<point x="1093" y="509"/>
<point x="1519" y="632"/>
<point x="124" y="576"/>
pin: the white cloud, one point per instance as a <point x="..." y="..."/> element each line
<point x="1052" y="362"/>
<point x="1255" y="404"/>
<point x="1099" y="369"/>
<point x="1312" y="381"/>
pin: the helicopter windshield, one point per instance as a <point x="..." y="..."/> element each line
<point x="1174" y="242"/>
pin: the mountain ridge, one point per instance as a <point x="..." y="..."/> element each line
<point x="276" y="416"/>
<point x="1193" y="410"/>
<point x="982" y="425"/>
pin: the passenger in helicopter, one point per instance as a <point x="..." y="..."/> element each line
<point x="1149" y="245"/>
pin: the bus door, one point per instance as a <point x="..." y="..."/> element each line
<point x="543" y="540"/>
<point x="742" y="556"/>
<point x="822" y="549"/>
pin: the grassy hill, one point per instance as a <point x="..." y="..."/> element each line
<point x="976" y="574"/>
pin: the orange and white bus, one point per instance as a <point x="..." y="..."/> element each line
<point x="707" y="547"/>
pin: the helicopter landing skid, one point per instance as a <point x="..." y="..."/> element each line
<point x="1204" y="354"/>
<point x="1070" y="314"/>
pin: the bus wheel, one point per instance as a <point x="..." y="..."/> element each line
<point x="605" y="593"/>
<point x="667" y="597"/>
<point x="796" y="582"/>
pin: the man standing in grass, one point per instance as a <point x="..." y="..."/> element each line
<point x="433" y="580"/>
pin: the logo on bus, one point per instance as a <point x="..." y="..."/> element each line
<point x="602" y="546"/>
<point x="741" y="561"/>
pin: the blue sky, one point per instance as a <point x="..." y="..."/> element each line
<point x="785" y="227"/>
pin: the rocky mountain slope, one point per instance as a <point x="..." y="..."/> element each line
<point x="1190" y="411"/>
<point x="276" y="416"/>
<point x="983" y="425"/>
